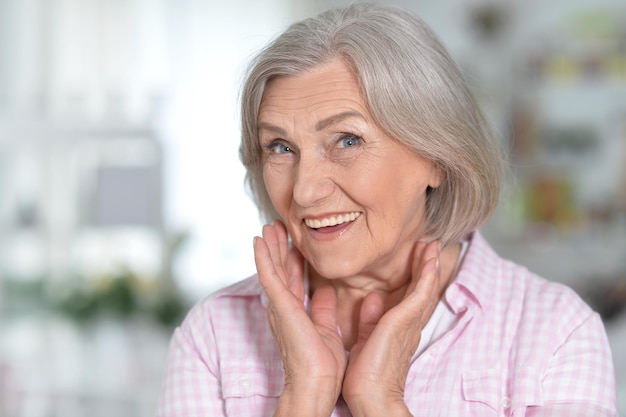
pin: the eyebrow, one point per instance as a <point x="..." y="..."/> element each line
<point x="272" y="128"/>
<point x="329" y="121"/>
<point x="321" y="125"/>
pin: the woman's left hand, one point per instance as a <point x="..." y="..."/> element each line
<point x="380" y="359"/>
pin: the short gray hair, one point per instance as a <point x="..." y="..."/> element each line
<point x="415" y="92"/>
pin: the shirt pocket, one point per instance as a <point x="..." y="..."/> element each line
<point x="251" y="388"/>
<point x="243" y="379"/>
<point x="491" y="389"/>
<point x="483" y="390"/>
<point x="526" y="388"/>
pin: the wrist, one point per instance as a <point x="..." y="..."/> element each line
<point x="367" y="406"/>
<point x="306" y="402"/>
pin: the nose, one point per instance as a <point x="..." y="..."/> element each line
<point x="313" y="183"/>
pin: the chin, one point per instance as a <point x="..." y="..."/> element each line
<point x="332" y="270"/>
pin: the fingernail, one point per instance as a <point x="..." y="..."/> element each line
<point x="254" y="242"/>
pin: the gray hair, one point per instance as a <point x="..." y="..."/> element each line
<point x="415" y="92"/>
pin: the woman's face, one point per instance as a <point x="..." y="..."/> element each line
<point x="352" y="197"/>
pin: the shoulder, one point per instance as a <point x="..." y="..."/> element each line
<point x="226" y="303"/>
<point x="512" y="293"/>
<point x="248" y="287"/>
<point x="229" y="320"/>
<point x="220" y="311"/>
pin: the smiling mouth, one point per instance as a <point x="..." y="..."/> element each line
<point x="332" y="220"/>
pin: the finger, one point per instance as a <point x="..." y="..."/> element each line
<point x="283" y="240"/>
<point x="425" y="295"/>
<point x="422" y="295"/>
<point x="271" y="239"/>
<point x="264" y="264"/>
<point x="324" y="307"/>
<point x="428" y="277"/>
<point x="418" y="253"/>
<point x="423" y="253"/>
<point x="427" y="272"/>
<point x="431" y="251"/>
<point x="371" y="311"/>
<point x="269" y="278"/>
<point x="291" y="259"/>
<point x="295" y="272"/>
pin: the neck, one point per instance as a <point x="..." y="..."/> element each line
<point x="391" y="286"/>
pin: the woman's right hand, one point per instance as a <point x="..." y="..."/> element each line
<point x="312" y="351"/>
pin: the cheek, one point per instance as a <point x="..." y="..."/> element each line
<point x="391" y="189"/>
<point x="399" y="200"/>
<point x="278" y="188"/>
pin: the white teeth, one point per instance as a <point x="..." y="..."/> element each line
<point x="332" y="220"/>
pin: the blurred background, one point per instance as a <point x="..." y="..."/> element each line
<point x="121" y="193"/>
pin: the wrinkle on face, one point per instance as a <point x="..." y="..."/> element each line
<point x="380" y="178"/>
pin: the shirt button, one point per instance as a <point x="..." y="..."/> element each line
<point x="506" y="402"/>
<point x="244" y="383"/>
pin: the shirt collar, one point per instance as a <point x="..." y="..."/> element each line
<point x="474" y="281"/>
<point x="249" y="287"/>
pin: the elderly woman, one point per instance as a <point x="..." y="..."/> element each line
<point x="375" y="294"/>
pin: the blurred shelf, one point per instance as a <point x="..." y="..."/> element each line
<point x="50" y="366"/>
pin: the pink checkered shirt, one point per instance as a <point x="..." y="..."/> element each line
<point x="519" y="346"/>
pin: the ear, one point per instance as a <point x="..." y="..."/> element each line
<point x="436" y="176"/>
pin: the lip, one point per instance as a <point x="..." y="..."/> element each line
<point x="329" y="233"/>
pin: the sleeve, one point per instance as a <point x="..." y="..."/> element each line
<point x="192" y="385"/>
<point x="580" y="379"/>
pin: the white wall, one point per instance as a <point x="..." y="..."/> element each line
<point x="176" y="65"/>
<point x="211" y="43"/>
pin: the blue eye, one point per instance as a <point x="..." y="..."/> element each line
<point x="279" y="148"/>
<point x="349" y="141"/>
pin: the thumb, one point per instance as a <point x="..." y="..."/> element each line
<point x="372" y="310"/>
<point x="324" y="307"/>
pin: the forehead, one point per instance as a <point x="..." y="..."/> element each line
<point x="332" y="87"/>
